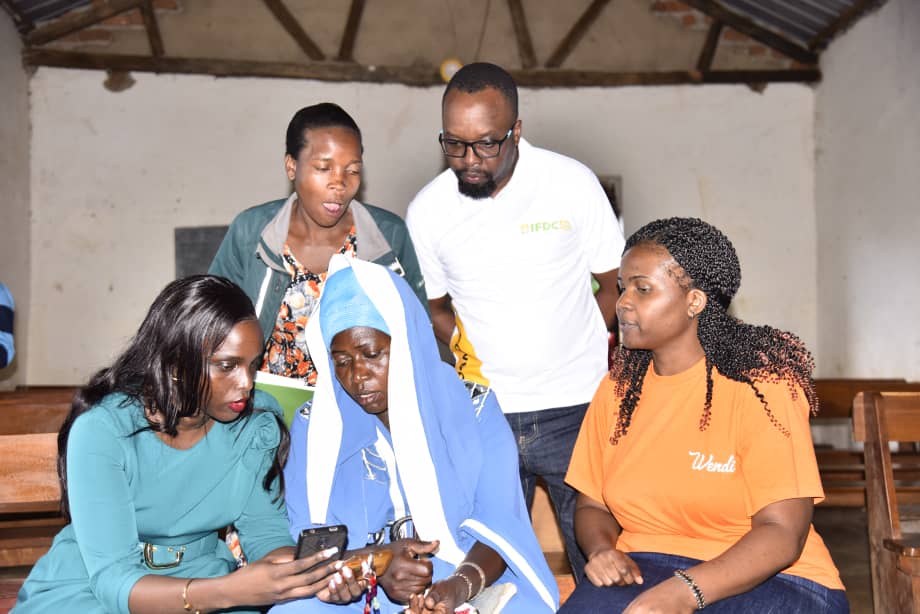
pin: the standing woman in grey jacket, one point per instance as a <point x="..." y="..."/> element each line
<point x="278" y="251"/>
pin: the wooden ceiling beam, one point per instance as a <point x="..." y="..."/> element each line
<point x="153" y="29"/>
<point x="575" y="35"/>
<point x="843" y="21"/>
<point x="746" y="26"/>
<point x="708" y="53"/>
<point x="406" y="75"/>
<point x="347" y="48"/>
<point x="522" y="34"/>
<point x="322" y="71"/>
<point x="578" y="78"/>
<point x="292" y="27"/>
<point x="77" y="20"/>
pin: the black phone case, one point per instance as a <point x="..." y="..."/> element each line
<point x="319" y="538"/>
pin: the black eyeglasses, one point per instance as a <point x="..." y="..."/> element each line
<point x="455" y="148"/>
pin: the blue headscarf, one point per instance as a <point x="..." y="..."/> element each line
<point x="347" y="306"/>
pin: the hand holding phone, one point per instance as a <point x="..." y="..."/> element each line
<point x="316" y="539"/>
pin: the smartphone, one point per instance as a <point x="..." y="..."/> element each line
<point x="315" y="539"/>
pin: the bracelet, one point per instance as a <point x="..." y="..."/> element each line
<point x="469" y="584"/>
<point x="482" y="576"/>
<point x="697" y="593"/>
<point x="185" y="603"/>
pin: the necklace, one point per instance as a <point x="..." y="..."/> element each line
<point x="369" y="465"/>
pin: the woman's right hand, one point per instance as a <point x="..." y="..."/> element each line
<point x="409" y="572"/>
<point x="609" y="566"/>
<point x="280" y="577"/>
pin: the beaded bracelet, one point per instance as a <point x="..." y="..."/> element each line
<point x="371" y="601"/>
<point x="469" y="583"/>
<point x="697" y="593"/>
<point x="482" y="576"/>
<point x="185" y="602"/>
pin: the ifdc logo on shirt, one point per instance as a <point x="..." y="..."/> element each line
<point x="528" y="228"/>
<point x="703" y="462"/>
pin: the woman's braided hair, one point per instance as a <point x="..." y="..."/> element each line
<point x="741" y="352"/>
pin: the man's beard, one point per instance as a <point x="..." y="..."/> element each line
<point x="476" y="191"/>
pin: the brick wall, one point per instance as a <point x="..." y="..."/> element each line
<point x="101" y="33"/>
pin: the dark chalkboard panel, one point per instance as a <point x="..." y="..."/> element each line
<point x="195" y="248"/>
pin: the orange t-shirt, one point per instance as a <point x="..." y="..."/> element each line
<point x="674" y="489"/>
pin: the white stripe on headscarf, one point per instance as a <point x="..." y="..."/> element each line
<point x="513" y="556"/>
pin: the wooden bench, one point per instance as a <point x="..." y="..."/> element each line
<point x="843" y="470"/>
<point x="894" y="528"/>
<point x="30" y="496"/>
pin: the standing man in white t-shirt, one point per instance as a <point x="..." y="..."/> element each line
<point x="508" y="239"/>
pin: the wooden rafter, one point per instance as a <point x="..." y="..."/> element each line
<point x="408" y="75"/>
<point x="77" y="20"/>
<point x="522" y="34"/>
<point x="153" y="29"/>
<point x="347" y="48"/>
<point x="291" y="25"/>
<point x="704" y="63"/>
<point x="844" y="21"/>
<point x="745" y="25"/>
<point x="578" y="78"/>
<point x="575" y="35"/>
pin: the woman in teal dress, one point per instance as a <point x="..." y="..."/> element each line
<point x="160" y="451"/>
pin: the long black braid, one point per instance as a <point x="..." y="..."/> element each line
<point x="741" y="352"/>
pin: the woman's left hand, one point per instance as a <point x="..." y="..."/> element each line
<point x="410" y="571"/>
<point x="343" y="587"/>
<point x="443" y="597"/>
<point x="670" y="597"/>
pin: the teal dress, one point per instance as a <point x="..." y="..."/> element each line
<point x="130" y="492"/>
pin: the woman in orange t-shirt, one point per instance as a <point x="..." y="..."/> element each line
<point x="694" y="465"/>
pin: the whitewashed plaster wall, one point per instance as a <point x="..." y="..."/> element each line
<point x="114" y="173"/>
<point x="14" y="191"/>
<point x="868" y="198"/>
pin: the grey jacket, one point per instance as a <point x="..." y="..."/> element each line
<point x="251" y="253"/>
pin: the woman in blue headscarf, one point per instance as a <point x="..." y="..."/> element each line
<point x="393" y="448"/>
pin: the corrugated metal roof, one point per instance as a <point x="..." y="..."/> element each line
<point x="803" y="22"/>
<point x="28" y="13"/>
<point x="798" y="29"/>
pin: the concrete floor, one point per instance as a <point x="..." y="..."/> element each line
<point x="844" y="531"/>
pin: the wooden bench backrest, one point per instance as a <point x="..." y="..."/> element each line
<point x="28" y="473"/>
<point x="879" y="418"/>
<point x="835" y="395"/>
<point x="899" y="413"/>
<point x="29" y="423"/>
<point x="34" y="410"/>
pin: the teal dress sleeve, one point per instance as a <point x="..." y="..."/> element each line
<point x="102" y="509"/>
<point x="263" y="524"/>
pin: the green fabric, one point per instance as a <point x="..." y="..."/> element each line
<point x="127" y="489"/>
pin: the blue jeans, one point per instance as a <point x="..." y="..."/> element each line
<point x="781" y="594"/>
<point x="545" y="440"/>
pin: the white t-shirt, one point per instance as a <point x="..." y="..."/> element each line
<point x="518" y="270"/>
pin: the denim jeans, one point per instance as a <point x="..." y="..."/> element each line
<point x="545" y="440"/>
<point x="781" y="594"/>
